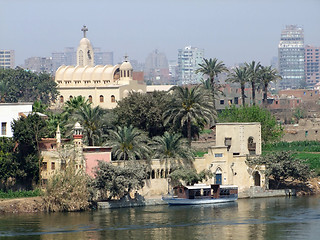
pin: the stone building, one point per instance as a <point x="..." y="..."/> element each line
<point x="102" y="85"/>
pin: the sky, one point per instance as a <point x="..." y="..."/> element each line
<point x="234" y="31"/>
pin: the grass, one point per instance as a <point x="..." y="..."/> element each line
<point x="20" y="194"/>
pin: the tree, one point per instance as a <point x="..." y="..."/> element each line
<point x="270" y="129"/>
<point x="240" y="75"/>
<point x="254" y="70"/>
<point x="27" y="132"/>
<point x="39" y="107"/>
<point x="92" y="121"/>
<point x="143" y="111"/>
<point x="282" y="166"/>
<point x="119" y="181"/>
<point x="267" y="75"/>
<point x="211" y="68"/>
<point x="8" y="164"/>
<point x="189" y="106"/>
<point x="128" y="143"/>
<point x="22" y="85"/>
<point x="189" y="176"/>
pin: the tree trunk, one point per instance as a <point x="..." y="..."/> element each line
<point x="253" y="93"/>
<point x="265" y="95"/>
<point x="213" y="92"/>
<point x="189" y="131"/>
<point x="243" y="95"/>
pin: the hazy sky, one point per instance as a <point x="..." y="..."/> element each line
<point x="233" y="31"/>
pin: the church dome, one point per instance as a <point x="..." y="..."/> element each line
<point x="85" y="41"/>
<point x="126" y="66"/>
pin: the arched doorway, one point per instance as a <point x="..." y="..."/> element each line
<point x="257" y="178"/>
<point x="218" y="177"/>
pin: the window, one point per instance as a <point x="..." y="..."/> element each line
<point x="3" y="128"/>
<point x="61" y="99"/>
<point x="218" y="155"/>
<point x="101" y="98"/>
<point x="70" y="97"/>
<point x="44" y="166"/>
<point x="221" y="102"/>
<point x="90" y="99"/>
<point x="306" y="133"/>
<point x="236" y="100"/>
<point x="53" y="165"/>
<point x="113" y="98"/>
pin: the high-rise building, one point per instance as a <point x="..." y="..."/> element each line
<point x="102" y="58"/>
<point x="189" y="59"/>
<point x="7" y="58"/>
<point x="156" y="68"/>
<point x="39" y="64"/>
<point x="312" y="65"/>
<point x="291" y="57"/>
<point x="67" y="57"/>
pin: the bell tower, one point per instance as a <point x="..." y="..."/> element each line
<point x="85" y="55"/>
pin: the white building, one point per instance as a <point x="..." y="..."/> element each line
<point x="10" y="112"/>
<point x="7" y="59"/>
<point x="189" y="59"/>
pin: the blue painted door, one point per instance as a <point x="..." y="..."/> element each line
<point x="218" y="178"/>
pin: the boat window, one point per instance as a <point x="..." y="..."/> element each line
<point x="180" y="190"/>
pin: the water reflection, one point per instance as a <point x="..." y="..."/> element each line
<point x="273" y="218"/>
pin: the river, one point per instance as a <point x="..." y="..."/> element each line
<point x="265" y="218"/>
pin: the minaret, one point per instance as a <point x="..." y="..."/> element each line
<point x="58" y="137"/>
<point x="78" y="145"/>
<point x="85" y="55"/>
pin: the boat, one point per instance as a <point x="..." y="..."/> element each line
<point x="202" y="194"/>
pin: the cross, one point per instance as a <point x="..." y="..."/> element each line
<point x="126" y="57"/>
<point x="84" y="30"/>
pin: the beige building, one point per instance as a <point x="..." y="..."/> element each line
<point x="102" y="85"/>
<point x="7" y="59"/>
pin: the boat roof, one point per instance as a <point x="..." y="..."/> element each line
<point x="204" y="186"/>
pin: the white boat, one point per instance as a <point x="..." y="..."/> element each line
<point x="202" y="194"/>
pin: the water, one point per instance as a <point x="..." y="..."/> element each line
<point x="268" y="218"/>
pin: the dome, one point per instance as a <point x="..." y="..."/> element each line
<point x="85" y="41"/>
<point x="126" y="66"/>
<point x="77" y="126"/>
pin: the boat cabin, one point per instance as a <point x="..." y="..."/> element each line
<point x="202" y="191"/>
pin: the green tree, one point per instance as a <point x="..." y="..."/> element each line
<point x="212" y="68"/>
<point x="240" y="75"/>
<point x="128" y="143"/>
<point x="93" y="122"/>
<point x="27" y="132"/>
<point x="267" y="75"/>
<point x="39" y="107"/>
<point x="254" y="69"/>
<point x="143" y="111"/>
<point x="189" y="176"/>
<point x="25" y="86"/>
<point x="8" y="164"/>
<point x="282" y="166"/>
<point x="119" y="181"/>
<point x="270" y="129"/>
<point x="189" y="106"/>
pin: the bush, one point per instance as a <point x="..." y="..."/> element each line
<point x="67" y="191"/>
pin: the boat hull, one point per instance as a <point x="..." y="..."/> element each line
<point x="185" y="201"/>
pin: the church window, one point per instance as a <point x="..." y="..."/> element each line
<point x="128" y="75"/>
<point x="70" y="97"/>
<point x="101" y="98"/>
<point x="121" y="73"/>
<point x="61" y="99"/>
<point x="90" y="99"/>
<point x="113" y="98"/>
<point x="124" y="72"/>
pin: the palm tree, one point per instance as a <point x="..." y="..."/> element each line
<point x="171" y="146"/>
<point x="128" y="143"/>
<point x="73" y="104"/>
<point x="211" y="68"/>
<point x="187" y="106"/>
<point x="91" y="119"/>
<point x="240" y="75"/>
<point x="254" y="69"/>
<point x="267" y="75"/>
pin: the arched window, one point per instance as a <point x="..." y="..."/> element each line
<point x="153" y="174"/>
<point x="101" y="98"/>
<point x="251" y="146"/>
<point x="128" y="73"/>
<point x="124" y="73"/>
<point x="113" y="98"/>
<point x="61" y="99"/>
<point x="70" y="97"/>
<point x="90" y="98"/>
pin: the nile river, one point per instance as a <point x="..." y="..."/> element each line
<point x="267" y="218"/>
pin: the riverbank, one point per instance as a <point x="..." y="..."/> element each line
<point x="22" y="205"/>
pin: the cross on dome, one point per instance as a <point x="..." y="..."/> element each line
<point x="84" y="30"/>
<point x="126" y="57"/>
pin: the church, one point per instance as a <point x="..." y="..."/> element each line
<point x="102" y="85"/>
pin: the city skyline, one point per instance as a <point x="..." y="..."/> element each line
<point x="232" y="31"/>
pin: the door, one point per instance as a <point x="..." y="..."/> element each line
<point x="218" y="178"/>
